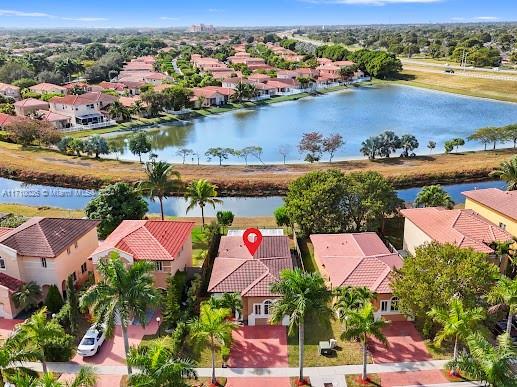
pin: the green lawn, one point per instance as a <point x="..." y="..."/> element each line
<point x="348" y="352"/>
<point x="199" y="245"/>
<point x="353" y="381"/>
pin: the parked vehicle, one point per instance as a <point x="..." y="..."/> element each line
<point x="91" y="341"/>
<point x="449" y="71"/>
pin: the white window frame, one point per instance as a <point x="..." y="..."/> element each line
<point x="396" y="299"/>
<point x="260" y="309"/>
<point x="385" y="305"/>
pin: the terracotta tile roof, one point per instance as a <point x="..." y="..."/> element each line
<point x="4" y="230"/>
<point x="6" y="86"/>
<point x="84" y="99"/>
<point x="504" y="202"/>
<point x="6" y="119"/>
<point x="9" y="282"/>
<point x="31" y="102"/>
<point x="464" y="228"/>
<point x="154" y="240"/>
<point x="47" y="87"/>
<point x="46" y="237"/>
<point x="52" y="116"/>
<point x="357" y="259"/>
<point x="236" y="270"/>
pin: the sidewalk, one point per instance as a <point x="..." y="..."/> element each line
<point x="73" y="368"/>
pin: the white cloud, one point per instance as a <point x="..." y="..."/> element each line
<point x="371" y="2"/>
<point x="10" y="12"/>
<point x="169" y="18"/>
<point x="486" y="18"/>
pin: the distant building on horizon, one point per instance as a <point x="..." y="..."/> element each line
<point x="201" y="28"/>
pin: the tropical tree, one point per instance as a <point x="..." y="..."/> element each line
<point x="301" y="293"/>
<point x="85" y="378"/>
<point x="331" y="144"/>
<point x="457" y="322"/>
<point x="184" y="152"/>
<point x="370" y="147"/>
<point x="159" y="183"/>
<point x="96" y="145"/>
<point x="312" y="144"/>
<point x="388" y="142"/>
<point x="504" y="294"/>
<point x="408" y="143"/>
<point x="121" y="294"/>
<point x="158" y="365"/>
<point x="510" y="133"/>
<point x="232" y="301"/>
<point x="348" y="299"/>
<point x="433" y="196"/>
<point x="361" y="325"/>
<point x="488" y="363"/>
<point x="431" y="145"/>
<point x="37" y="331"/>
<point x="139" y="144"/>
<point x="200" y="193"/>
<point x="118" y="111"/>
<point x="12" y="353"/>
<point x="27" y="296"/>
<point x="507" y="171"/>
<point x="212" y="328"/>
<point x="220" y="153"/>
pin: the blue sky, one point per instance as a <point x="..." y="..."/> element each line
<point x="166" y="13"/>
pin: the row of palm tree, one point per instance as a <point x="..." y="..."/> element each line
<point x="162" y="180"/>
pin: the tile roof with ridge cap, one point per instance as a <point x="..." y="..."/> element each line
<point x="83" y="99"/>
<point x="236" y="270"/>
<point x="9" y="282"/>
<point x="504" y="202"/>
<point x="356" y="259"/>
<point x="46" y="237"/>
<point x="154" y="240"/>
<point x="464" y="228"/>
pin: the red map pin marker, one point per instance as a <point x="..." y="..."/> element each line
<point x="252" y="238"/>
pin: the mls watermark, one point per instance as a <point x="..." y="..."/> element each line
<point x="46" y="193"/>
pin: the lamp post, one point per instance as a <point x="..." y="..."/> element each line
<point x="158" y="319"/>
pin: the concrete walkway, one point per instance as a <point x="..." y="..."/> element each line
<point x="73" y="368"/>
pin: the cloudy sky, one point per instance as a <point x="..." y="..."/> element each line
<point x="166" y="13"/>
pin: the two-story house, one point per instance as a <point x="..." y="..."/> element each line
<point x="46" y="251"/>
<point x="166" y="243"/>
<point x="85" y="109"/>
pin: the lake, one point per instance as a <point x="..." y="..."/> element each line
<point x="12" y="191"/>
<point x="355" y="113"/>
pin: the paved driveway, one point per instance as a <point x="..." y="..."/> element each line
<point x="258" y="382"/>
<point x="405" y="344"/>
<point x="417" y="378"/>
<point x="7" y="326"/>
<point x="259" y="347"/>
<point x="112" y="351"/>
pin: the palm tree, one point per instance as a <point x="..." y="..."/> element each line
<point x="158" y="183"/>
<point x="37" y="330"/>
<point x="505" y="294"/>
<point x="121" y="295"/>
<point x="348" y="299"/>
<point x="27" y="296"/>
<point x="433" y="196"/>
<point x="301" y="293"/>
<point x="232" y="301"/>
<point x="158" y="365"/>
<point x="508" y="172"/>
<point x="12" y="353"/>
<point x="212" y="327"/>
<point x="361" y="324"/>
<point x="137" y="108"/>
<point x="85" y="378"/>
<point x="116" y="110"/>
<point x="200" y="193"/>
<point x="240" y="92"/>
<point x="487" y="363"/>
<point x="456" y="322"/>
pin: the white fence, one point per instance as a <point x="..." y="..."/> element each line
<point x="98" y="125"/>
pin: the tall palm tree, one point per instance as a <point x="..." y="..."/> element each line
<point x="85" y="378"/>
<point x="301" y="294"/>
<point x="37" y="330"/>
<point x="212" y="327"/>
<point x="118" y="111"/>
<point x="504" y="293"/>
<point x="433" y="196"/>
<point x="200" y="193"/>
<point x="12" y="353"/>
<point x="456" y="322"/>
<point x="348" y="299"/>
<point x="361" y="324"/>
<point x="27" y="296"/>
<point x="159" y="183"/>
<point x="232" y="301"/>
<point x="158" y="365"/>
<point x="507" y="171"/>
<point x="121" y="295"/>
<point x="487" y="363"/>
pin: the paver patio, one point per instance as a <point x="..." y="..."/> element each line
<point x="405" y="344"/>
<point x="7" y="326"/>
<point x="259" y="347"/>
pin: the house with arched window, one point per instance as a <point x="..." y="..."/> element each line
<point x="360" y="260"/>
<point x="237" y="271"/>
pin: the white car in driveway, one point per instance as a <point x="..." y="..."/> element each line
<point x="91" y="341"/>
